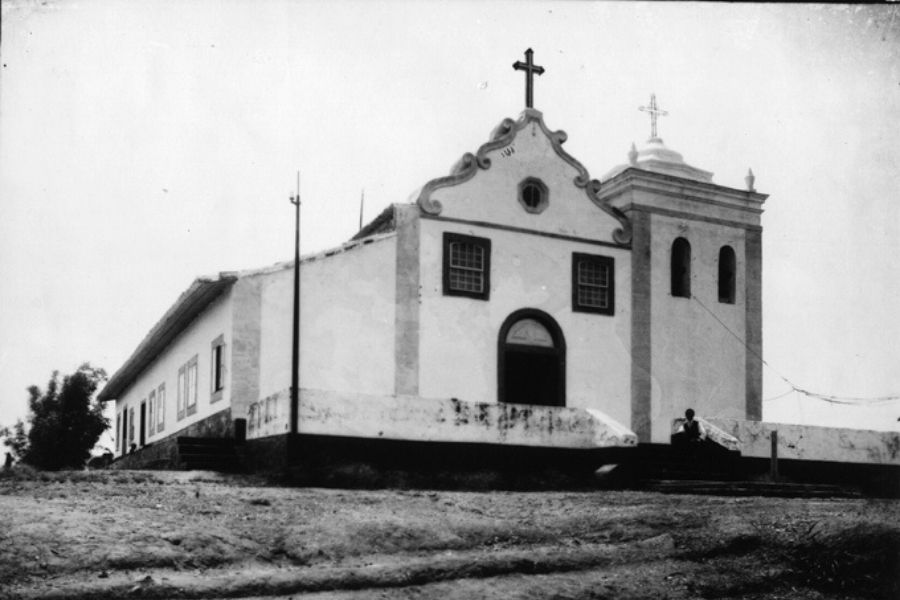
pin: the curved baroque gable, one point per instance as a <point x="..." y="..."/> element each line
<point x="502" y="136"/>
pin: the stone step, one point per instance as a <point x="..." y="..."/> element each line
<point x="749" y="488"/>
<point x="212" y="454"/>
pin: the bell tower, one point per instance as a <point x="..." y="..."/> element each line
<point x="696" y="277"/>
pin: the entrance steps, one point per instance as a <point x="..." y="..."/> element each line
<point x="207" y="454"/>
<point x="701" y="461"/>
<point x="707" y="468"/>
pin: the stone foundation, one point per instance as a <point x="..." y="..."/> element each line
<point x="338" y="461"/>
<point x="163" y="454"/>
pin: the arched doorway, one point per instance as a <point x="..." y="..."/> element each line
<point x="531" y="360"/>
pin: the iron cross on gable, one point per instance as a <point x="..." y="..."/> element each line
<point x="655" y="112"/>
<point x="530" y="69"/>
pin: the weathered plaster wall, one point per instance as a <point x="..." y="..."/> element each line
<point x="806" y="442"/>
<point x="459" y="335"/>
<point x="641" y="326"/>
<point x="196" y="338"/>
<point x="406" y="333"/>
<point x="247" y="336"/>
<point x="346" y="322"/>
<point x="446" y="420"/>
<point x="492" y="194"/>
<point x="695" y="361"/>
<point x="753" y="328"/>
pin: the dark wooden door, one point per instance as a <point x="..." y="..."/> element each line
<point x="143" y="422"/>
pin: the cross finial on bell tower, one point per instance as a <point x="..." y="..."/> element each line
<point x="530" y="69"/>
<point x="655" y="112"/>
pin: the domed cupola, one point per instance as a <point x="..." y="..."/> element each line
<point x="655" y="156"/>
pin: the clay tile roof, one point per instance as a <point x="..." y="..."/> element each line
<point x="191" y="303"/>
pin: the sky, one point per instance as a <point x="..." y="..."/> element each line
<point x="144" y="144"/>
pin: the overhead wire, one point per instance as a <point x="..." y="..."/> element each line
<point x="830" y="398"/>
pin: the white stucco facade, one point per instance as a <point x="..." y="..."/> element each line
<point x="698" y="358"/>
<point x="194" y="343"/>
<point x="491" y="195"/>
<point x="346" y="317"/>
<point x="531" y="268"/>
<point x="460" y="335"/>
<point x="691" y="347"/>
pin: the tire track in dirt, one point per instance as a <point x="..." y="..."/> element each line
<point x="394" y="571"/>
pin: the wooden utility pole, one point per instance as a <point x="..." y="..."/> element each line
<point x="295" y="345"/>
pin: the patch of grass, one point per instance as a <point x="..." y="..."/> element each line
<point x="20" y="472"/>
<point x="23" y="472"/>
<point x="862" y="558"/>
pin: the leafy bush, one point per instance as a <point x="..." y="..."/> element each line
<point x="66" y="421"/>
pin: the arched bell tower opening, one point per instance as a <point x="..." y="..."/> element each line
<point x="531" y="359"/>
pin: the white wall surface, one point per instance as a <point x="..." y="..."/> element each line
<point x="445" y="420"/>
<point x="696" y="362"/>
<point x="195" y="340"/>
<point x="459" y="335"/>
<point x="346" y="322"/>
<point x="807" y="442"/>
<point x="492" y="194"/>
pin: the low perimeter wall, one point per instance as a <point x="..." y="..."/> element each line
<point x="412" y="418"/>
<point x="807" y="442"/>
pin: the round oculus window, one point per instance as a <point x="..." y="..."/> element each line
<point x="533" y="195"/>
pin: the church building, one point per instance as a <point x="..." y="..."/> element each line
<point x="514" y="302"/>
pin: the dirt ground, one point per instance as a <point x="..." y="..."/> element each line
<point x="121" y="534"/>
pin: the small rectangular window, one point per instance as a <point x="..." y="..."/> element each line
<point x="217" y="368"/>
<point x="179" y="394"/>
<point x="467" y="266"/>
<point x="151" y="408"/>
<point x="131" y="425"/>
<point x="218" y="379"/>
<point x="161" y="407"/>
<point x="191" y="387"/>
<point x="124" y="433"/>
<point x="593" y="284"/>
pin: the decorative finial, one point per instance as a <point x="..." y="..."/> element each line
<point x="655" y="112"/>
<point x="749" y="180"/>
<point x="530" y="69"/>
<point x="632" y="155"/>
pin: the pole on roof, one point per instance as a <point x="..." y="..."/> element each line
<point x="295" y="344"/>
<point x="362" y="202"/>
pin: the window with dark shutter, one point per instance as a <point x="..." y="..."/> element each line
<point x="681" y="268"/>
<point x="593" y="284"/>
<point x="467" y="266"/>
<point x="726" y="275"/>
<point x="217" y="365"/>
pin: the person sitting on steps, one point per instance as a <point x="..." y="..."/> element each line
<point x="691" y="431"/>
